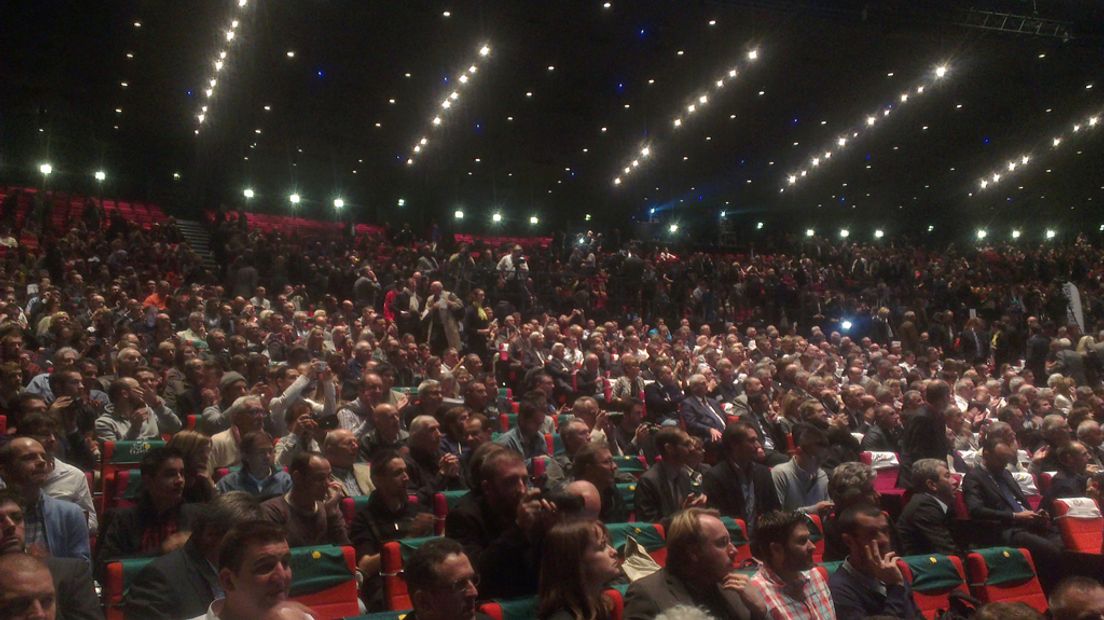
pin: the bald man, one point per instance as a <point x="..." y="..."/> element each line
<point x="592" y="500"/>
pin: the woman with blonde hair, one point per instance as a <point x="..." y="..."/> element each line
<point x="196" y="448"/>
<point x="572" y="578"/>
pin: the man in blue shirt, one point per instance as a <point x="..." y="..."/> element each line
<point x="526" y="438"/>
<point x="258" y="476"/>
<point x="869" y="582"/>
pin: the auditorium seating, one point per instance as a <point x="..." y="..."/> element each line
<point x="442" y="503"/>
<point x="816" y="534"/>
<point x="123" y="489"/>
<point x="350" y="506"/>
<point x="392" y="558"/>
<point x="933" y="578"/>
<point x="120" y="455"/>
<point x="650" y="536"/>
<point x="627" y="490"/>
<point x="1004" y="574"/>
<point x="1081" y="532"/>
<point x="632" y="464"/>
<point x="323" y="578"/>
<point x="737" y="532"/>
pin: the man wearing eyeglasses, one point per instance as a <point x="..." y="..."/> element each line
<point x="442" y="583"/>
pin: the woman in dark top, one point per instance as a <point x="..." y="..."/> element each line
<point x="572" y="579"/>
<point x="477" y="322"/>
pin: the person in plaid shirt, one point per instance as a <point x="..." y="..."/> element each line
<point x="786" y="582"/>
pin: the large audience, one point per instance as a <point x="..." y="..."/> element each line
<point x="296" y="375"/>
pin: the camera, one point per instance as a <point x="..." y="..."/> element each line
<point x="565" y="502"/>
<point x="327" y="423"/>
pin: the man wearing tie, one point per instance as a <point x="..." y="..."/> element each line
<point x="702" y="415"/>
<point x="666" y="487"/>
<point x="993" y="496"/>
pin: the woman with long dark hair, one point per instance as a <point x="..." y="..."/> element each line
<point x="572" y="578"/>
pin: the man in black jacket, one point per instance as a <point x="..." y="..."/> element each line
<point x="739" y="486"/>
<point x="925" y="523"/>
<point x="667" y="487"/>
<point x="993" y="496"/>
<point x="1072" y="479"/>
<point x="662" y="397"/>
<point x="925" y="435"/>
<point x="885" y="434"/>
<point x="75" y="596"/>
<point x="183" y="583"/>
<point x="500" y="528"/>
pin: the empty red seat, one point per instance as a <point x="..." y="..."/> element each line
<point x="1081" y="524"/>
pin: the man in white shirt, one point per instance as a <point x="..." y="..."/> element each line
<point x="254" y="572"/>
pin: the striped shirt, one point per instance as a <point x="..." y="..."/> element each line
<point x="806" y="599"/>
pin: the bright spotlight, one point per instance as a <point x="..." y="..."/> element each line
<point x="458" y="214"/>
<point x="294" y="198"/>
<point x="982" y="233"/>
<point x="759" y="226"/>
<point x="809" y="232"/>
<point x="248" y="193"/>
<point x="1051" y="233"/>
<point x="483" y="51"/>
<point x="673" y="228"/>
<point x="845" y="325"/>
<point x="100" y="175"/>
<point x="753" y="54"/>
<point x="844" y="233"/>
<point x="338" y="203"/>
<point x="931" y="228"/>
<point x="941" y="71"/>
<point x="1016" y="234"/>
<point x="497" y="217"/>
<point x="401" y="202"/>
<point x="534" y="220"/>
<point x="878" y="234"/>
<point x="46" y="169"/>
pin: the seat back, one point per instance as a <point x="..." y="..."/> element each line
<point x="124" y="489"/>
<point x="392" y="557"/>
<point x="632" y="464"/>
<point x="442" y="503"/>
<point x="627" y="491"/>
<point x="119" y="455"/>
<point x="651" y="536"/>
<point x="3" y="424"/>
<point x="885" y="466"/>
<point x="1004" y="574"/>
<point x="933" y="578"/>
<point x="738" y="532"/>
<point x="324" y="579"/>
<point x="511" y="609"/>
<point x="351" y="505"/>
<point x="816" y="534"/>
<point x="117" y="577"/>
<point x="506" y="421"/>
<point x="1081" y="532"/>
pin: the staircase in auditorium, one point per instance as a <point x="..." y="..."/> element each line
<point x="196" y="235"/>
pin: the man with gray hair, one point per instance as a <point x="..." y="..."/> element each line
<point x="1068" y="362"/>
<point x="246" y="415"/>
<point x="428" y="402"/>
<point x="431" y="470"/>
<point x="64" y="358"/>
<point x="702" y="415"/>
<point x="183" y="583"/>
<point x="1077" y="598"/>
<point x="1089" y="433"/>
<point x="925" y="523"/>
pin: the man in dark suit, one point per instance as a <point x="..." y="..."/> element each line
<point x="183" y="583"/>
<point x="925" y="524"/>
<point x="993" y="496"/>
<point x="738" y="486"/>
<point x="885" y="434"/>
<point x="1069" y="363"/>
<point x="699" y="561"/>
<point x="758" y="415"/>
<point x="75" y="595"/>
<point x="666" y="487"/>
<point x="1072" y="479"/>
<point x="925" y="435"/>
<point x="702" y="415"/>
<point x="663" y="396"/>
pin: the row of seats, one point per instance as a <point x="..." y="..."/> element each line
<point x="323" y="578"/>
<point x="529" y="244"/>
<point x="69" y="206"/>
<point x="301" y="226"/>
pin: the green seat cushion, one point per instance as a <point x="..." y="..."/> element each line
<point x="132" y="451"/>
<point x="511" y="420"/>
<point x="315" y="569"/>
<point x="932" y="574"/>
<point x="452" y="498"/>
<point x="627" y="490"/>
<point x="1007" y="566"/>
<point x="557" y="445"/>
<point x="644" y="533"/>
<point x="131" y="568"/>
<point x="408" y="546"/>
<point x="134" y="485"/>
<point x="519" y="608"/>
<point x="735" y="532"/>
<point x="629" y="464"/>
<point x="815" y="534"/>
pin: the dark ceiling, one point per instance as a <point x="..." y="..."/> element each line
<point x="332" y="130"/>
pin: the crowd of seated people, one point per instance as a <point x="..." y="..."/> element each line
<point x="543" y="399"/>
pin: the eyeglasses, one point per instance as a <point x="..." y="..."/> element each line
<point x="461" y="586"/>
